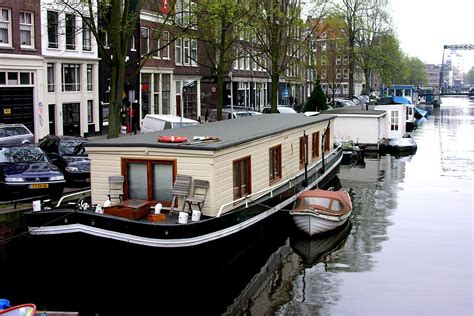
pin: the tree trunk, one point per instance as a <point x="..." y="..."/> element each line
<point x="219" y="91"/>
<point x="275" y="86"/>
<point x="368" y="84"/>
<point x="116" y="97"/>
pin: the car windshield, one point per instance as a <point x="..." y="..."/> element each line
<point x="183" y="124"/>
<point x="242" y="114"/>
<point x="22" y="154"/>
<point x="72" y="148"/>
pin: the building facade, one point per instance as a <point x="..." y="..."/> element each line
<point x="21" y="66"/>
<point x="70" y="71"/>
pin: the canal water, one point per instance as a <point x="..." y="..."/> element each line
<point x="407" y="250"/>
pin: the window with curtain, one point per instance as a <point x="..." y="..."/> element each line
<point x="275" y="164"/>
<point x="241" y="177"/>
<point x="315" y="145"/>
<point x="52" y="29"/>
<point x="27" y="30"/>
<point x="70" y="31"/>
<point x="150" y="180"/>
<point x="5" y="27"/>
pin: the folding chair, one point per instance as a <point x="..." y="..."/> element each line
<point x="181" y="187"/>
<point x="116" y="188"/>
<point x="199" y="194"/>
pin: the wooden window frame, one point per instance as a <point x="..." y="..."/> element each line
<point x="303" y="156"/>
<point x="149" y="163"/>
<point x="249" y="179"/>
<point x="316" y="142"/>
<point x="274" y="171"/>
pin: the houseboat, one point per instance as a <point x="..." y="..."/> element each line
<point x="253" y="168"/>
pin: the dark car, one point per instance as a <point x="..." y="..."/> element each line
<point x="68" y="153"/>
<point x="26" y="171"/>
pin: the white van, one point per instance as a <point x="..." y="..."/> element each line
<point x="158" y="122"/>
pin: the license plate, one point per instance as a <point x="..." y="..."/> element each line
<point x="38" y="186"/>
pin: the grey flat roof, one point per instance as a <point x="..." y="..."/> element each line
<point x="351" y="110"/>
<point x="229" y="132"/>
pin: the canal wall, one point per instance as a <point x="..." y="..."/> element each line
<point x="12" y="221"/>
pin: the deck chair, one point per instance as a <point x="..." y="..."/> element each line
<point x="199" y="194"/>
<point x="181" y="187"/>
<point x="116" y="188"/>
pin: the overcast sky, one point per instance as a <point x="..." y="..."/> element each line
<point x="424" y="26"/>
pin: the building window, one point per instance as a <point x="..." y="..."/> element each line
<point x="71" y="77"/>
<point x="27" y="30"/>
<point x="150" y="180"/>
<point x="90" y="110"/>
<point x="241" y="177"/>
<point x="5" y="27"/>
<point x="70" y="31"/>
<point x="166" y="47"/>
<point x="166" y="87"/>
<point x="186" y="54"/>
<point x="178" y="51"/>
<point x="157" y="44"/>
<point x="394" y="120"/>
<point x="303" y="150"/>
<point x="50" y="75"/>
<point x="145" y="41"/>
<point x="104" y="38"/>
<point x="133" y="43"/>
<point x="52" y="29"/>
<point x="194" y="53"/>
<point x="315" y="145"/>
<point x="275" y="164"/>
<point x="89" y="77"/>
<point x="86" y="34"/>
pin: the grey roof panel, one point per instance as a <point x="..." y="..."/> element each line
<point x="229" y="132"/>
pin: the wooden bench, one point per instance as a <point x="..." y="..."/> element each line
<point x="131" y="209"/>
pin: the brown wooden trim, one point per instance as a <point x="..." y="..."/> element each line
<point x="315" y="144"/>
<point x="302" y="155"/>
<point x="273" y="180"/>
<point x="249" y="173"/>
<point x="149" y="163"/>
<point x="327" y="140"/>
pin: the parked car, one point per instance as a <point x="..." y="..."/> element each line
<point x="341" y="103"/>
<point x="69" y="155"/>
<point x="157" y="122"/>
<point x="26" y="172"/>
<point x="15" y="134"/>
<point x="280" y="109"/>
<point x="235" y="112"/>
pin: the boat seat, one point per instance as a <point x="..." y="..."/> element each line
<point x="200" y="188"/>
<point x="181" y="187"/>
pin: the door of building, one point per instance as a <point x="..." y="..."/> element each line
<point x="16" y="106"/>
<point x="71" y="119"/>
<point x="52" y="121"/>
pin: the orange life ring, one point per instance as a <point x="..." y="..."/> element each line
<point x="172" y="139"/>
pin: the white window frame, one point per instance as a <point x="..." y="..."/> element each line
<point x="165" y="52"/>
<point x="194" y="52"/>
<point x="6" y="23"/>
<point x="90" y="77"/>
<point x="76" y="85"/>
<point x="133" y="43"/>
<point x="147" y="30"/>
<point x="73" y="44"/>
<point x="178" y="51"/>
<point x="50" y="68"/>
<point x="86" y="35"/>
<point x="186" y="52"/>
<point x="27" y="27"/>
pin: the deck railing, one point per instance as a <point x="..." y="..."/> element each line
<point x="271" y="189"/>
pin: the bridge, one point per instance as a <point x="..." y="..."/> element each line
<point x="441" y="74"/>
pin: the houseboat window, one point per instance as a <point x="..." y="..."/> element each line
<point x="315" y="144"/>
<point x="150" y="180"/>
<point x="394" y="120"/>
<point x="327" y="140"/>
<point x="275" y="163"/>
<point x="241" y="177"/>
<point x="303" y="150"/>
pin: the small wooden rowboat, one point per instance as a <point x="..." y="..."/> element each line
<point x="19" y="310"/>
<point x="318" y="211"/>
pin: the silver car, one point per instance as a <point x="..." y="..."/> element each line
<point x="15" y="134"/>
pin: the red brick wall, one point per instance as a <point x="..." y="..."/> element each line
<point x="23" y="5"/>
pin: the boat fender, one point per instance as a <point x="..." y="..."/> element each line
<point x="172" y="139"/>
<point x="107" y="203"/>
<point x="183" y="217"/>
<point x="196" y="216"/>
